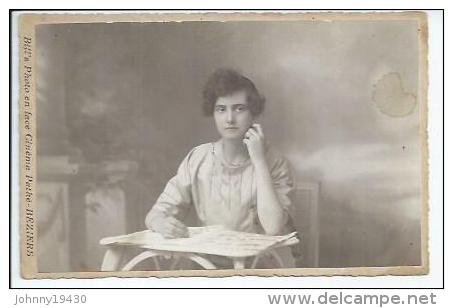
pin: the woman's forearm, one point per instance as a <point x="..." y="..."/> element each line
<point x="151" y="216"/>
<point x="270" y="213"/>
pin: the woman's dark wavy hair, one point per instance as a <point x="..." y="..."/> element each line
<point x="225" y="82"/>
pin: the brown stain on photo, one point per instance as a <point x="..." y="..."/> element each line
<point x="390" y="97"/>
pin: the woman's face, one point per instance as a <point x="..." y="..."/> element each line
<point x="232" y="115"/>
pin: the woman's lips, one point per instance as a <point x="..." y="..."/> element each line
<point x="231" y="127"/>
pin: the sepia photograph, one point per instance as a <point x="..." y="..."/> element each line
<point x="220" y="144"/>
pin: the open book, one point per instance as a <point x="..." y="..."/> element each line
<point x="214" y="240"/>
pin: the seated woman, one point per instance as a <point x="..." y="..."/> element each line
<point x="238" y="181"/>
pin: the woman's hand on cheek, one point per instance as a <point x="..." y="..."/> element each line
<point x="254" y="140"/>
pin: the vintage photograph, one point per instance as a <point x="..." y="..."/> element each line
<point x="215" y="144"/>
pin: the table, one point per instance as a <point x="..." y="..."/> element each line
<point x="118" y="246"/>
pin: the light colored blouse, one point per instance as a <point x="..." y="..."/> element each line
<point x="223" y="194"/>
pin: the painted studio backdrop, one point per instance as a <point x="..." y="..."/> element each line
<point x="119" y="106"/>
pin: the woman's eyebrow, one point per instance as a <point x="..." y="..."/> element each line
<point x="232" y="105"/>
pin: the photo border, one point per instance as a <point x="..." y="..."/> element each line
<point x="399" y="270"/>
